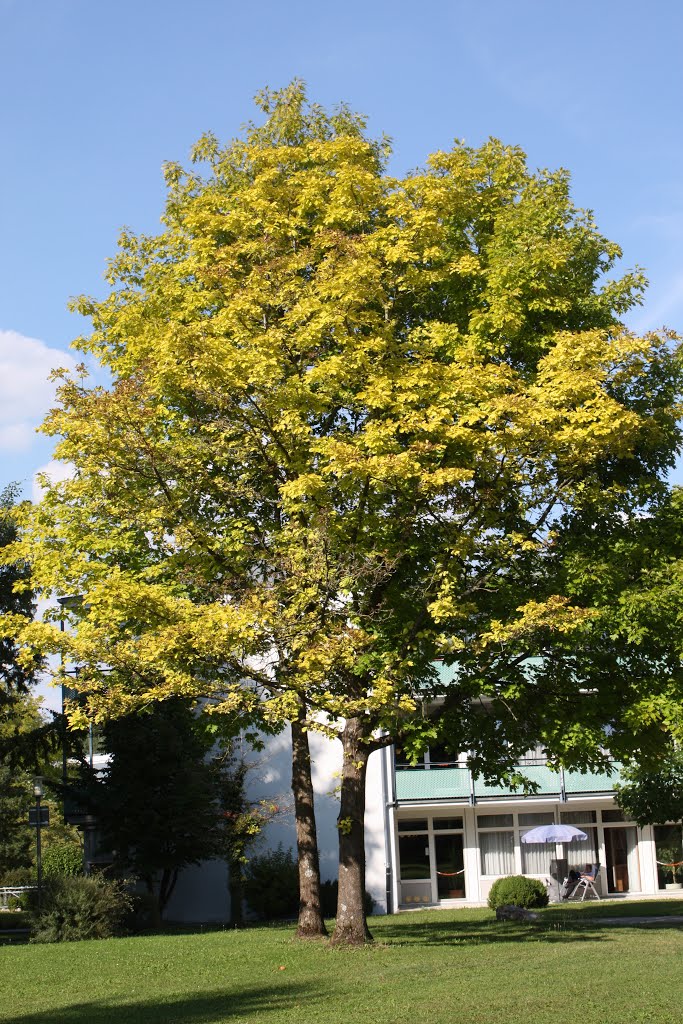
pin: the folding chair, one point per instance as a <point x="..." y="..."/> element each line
<point x="587" y="881"/>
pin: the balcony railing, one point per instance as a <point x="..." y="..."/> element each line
<point x="453" y="782"/>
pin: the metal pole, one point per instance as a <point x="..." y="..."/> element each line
<point x="39" y="852"/>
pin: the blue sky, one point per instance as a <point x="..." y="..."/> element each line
<point x="97" y="95"/>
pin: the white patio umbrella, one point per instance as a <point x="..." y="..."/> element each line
<point x="554" y="834"/>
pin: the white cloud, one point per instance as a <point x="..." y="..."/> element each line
<point x="56" y="471"/>
<point x="26" y="393"/>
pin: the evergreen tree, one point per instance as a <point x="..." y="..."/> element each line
<point x="156" y="801"/>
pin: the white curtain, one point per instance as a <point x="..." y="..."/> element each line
<point x="497" y="853"/>
<point x="536" y="858"/>
<point x="581" y="854"/>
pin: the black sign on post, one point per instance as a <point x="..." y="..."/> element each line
<point x="44" y="816"/>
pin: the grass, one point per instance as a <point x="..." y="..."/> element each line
<point x="427" y="967"/>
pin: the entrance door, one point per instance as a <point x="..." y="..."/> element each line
<point x="450" y="875"/>
<point x="622" y="868"/>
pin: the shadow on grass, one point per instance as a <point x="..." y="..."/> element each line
<point x="556" y="924"/>
<point x="206" y="1008"/>
<point x="473" y="933"/>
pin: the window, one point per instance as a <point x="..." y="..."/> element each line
<point x="669" y="852"/>
<point x="578" y="817"/>
<point x="532" y="820"/>
<point x="439" y="757"/>
<point x="414" y="855"/>
<point x="497" y="853"/>
<point x="441" y="824"/>
<point x="495" y="821"/>
<point x="609" y="816"/>
<point x="536" y="857"/>
<point x="412" y="825"/>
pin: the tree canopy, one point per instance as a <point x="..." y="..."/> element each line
<point x="357" y="422"/>
<point x="653" y="794"/>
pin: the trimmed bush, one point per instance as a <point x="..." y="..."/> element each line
<point x="74" y="908"/>
<point x="518" y="891"/>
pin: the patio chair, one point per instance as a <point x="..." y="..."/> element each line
<point x="587" y="881"/>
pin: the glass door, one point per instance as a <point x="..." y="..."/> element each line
<point x="416" y="884"/>
<point x="622" y="867"/>
<point x="450" y="865"/>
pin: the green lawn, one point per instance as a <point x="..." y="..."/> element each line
<point x="428" y="967"/>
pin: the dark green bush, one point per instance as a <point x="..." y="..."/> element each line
<point x="271" y="884"/>
<point x="518" y="891"/>
<point x="271" y="887"/>
<point x="73" y="908"/>
<point x="143" y="915"/>
<point x="328" y="899"/>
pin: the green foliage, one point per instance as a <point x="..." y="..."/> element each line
<point x="272" y="887"/>
<point x="16" y="838"/>
<point x="271" y="884"/>
<point x="156" y="800"/>
<point x="74" y="908"/>
<point x="358" y="422"/>
<point x="517" y="891"/>
<point x="653" y="794"/>
<point x="15" y="676"/>
<point x="241" y="821"/>
<point x="422" y="431"/>
<point x="62" y="859"/>
<point x="18" y="876"/>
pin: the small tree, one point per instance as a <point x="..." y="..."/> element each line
<point x="156" y="801"/>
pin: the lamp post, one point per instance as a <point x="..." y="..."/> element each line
<point x="38" y="794"/>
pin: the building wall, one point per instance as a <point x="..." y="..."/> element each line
<point x="636" y="876"/>
<point x="202" y="893"/>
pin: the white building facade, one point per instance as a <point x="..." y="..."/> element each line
<point x="438" y="837"/>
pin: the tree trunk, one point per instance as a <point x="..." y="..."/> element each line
<point x="351" y="927"/>
<point x="169" y="877"/>
<point x="236" y="890"/>
<point x="311" y="924"/>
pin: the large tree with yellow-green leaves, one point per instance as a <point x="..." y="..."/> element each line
<point x="357" y="422"/>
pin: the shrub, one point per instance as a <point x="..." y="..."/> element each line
<point x="62" y="859"/>
<point x="75" y="908"/>
<point x="143" y="915"/>
<point x="328" y="899"/>
<point x="271" y="887"/>
<point x="518" y="891"/>
<point x="18" y="876"/>
<point x="271" y="884"/>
